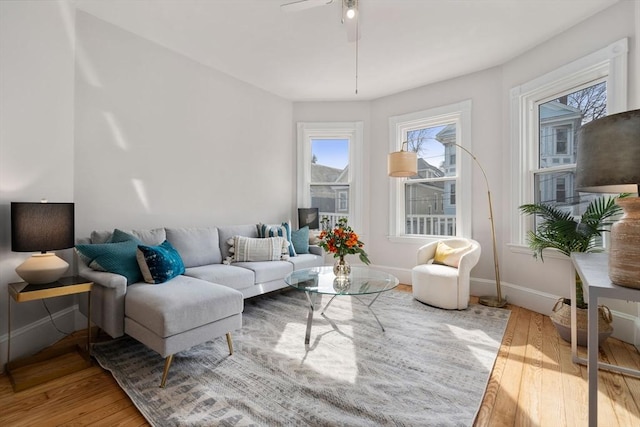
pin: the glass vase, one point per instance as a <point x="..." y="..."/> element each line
<point x="341" y="268"/>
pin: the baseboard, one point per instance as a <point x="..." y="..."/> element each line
<point x="626" y="327"/>
<point x="31" y="338"/>
<point x="636" y="341"/>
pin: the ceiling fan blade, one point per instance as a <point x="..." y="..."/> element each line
<point x="303" y="5"/>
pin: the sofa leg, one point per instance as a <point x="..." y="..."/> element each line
<point x="229" y="343"/>
<point x="165" y="372"/>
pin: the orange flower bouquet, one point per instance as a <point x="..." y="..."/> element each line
<point x="341" y="240"/>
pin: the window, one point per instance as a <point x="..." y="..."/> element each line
<point x="562" y="133"/>
<point x="329" y="170"/>
<point x="452" y="194"/>
<point x="549" y="112"/>
<point x="429" y="204"/>
<point x="561" y="194"/>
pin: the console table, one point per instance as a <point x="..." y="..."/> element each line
<point x="22" y="292"/>
<point x="593" y="269"/>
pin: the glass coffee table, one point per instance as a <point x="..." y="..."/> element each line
<point x="321" y="280"/>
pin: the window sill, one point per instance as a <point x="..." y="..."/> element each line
<point x="523" y="249"/>
<point x="416" y="240"/>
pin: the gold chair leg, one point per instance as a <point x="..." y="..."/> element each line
<point x="167" y="364"/>
<point x="229" y="343"/>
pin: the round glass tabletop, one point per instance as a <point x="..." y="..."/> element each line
<point x="321" y="280"/>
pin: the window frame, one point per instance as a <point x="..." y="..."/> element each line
<point x="607" y="64"/>
<point x="353" y="131"/>
<point x="460" y="114"/>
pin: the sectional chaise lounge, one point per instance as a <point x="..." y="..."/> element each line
<point x="204" y="302"/>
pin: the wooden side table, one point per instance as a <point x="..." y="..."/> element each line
<point x="593" y="269"/>
<point x="21" y="292"/>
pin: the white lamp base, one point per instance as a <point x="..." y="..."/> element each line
<point x="42" y="268"/>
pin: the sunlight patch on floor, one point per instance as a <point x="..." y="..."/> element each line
<point x="477" y="342"/>
<point x="320" y="354"/>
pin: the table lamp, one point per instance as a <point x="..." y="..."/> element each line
<point x="42" y="227"/>
<point x="608" y="161"/>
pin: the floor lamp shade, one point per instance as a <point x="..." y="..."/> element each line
<point x="608" y="161"/>
<point x="403" y="164"/>
<point x="309" y="217"/>
<point x="42" y="227"/>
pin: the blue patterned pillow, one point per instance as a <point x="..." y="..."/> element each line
<point x="300" y="240"/>
<point x="159" y="263"/>
<point x="282" y="230"/>
<point x="118" y="257"/>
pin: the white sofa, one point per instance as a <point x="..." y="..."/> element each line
<point x="203" y="251"/>
<point x="203" y="303"/>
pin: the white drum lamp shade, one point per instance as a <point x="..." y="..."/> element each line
<point x="42" y="227"/>
<point x="608" y="161"/>
<point x="402" y="163"/>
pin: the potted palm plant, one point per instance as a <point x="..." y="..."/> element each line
<point x="561" y="231"/>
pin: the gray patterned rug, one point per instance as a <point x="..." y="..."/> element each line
<point x="430" y="367"/>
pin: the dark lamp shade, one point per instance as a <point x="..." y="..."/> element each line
<point x="608" y="157"/>
<point x="309" y="217"/>
<point x="41" y="227"/>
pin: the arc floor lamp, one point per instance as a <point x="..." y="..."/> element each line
<point x="404" y="164"/>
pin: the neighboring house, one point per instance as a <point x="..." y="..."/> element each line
<point x="447" y="136"/>
<point x="558" y="126"/>
<point x="424" y="206"/>
<point x="326" y="193"/>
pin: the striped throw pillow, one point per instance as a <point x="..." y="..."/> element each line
<point x="282" y="230"/>
<point x="246" y="249"/>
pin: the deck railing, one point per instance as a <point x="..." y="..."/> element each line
<point x="435" y="225"/>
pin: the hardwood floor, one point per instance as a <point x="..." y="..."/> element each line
<point x="533" y="382"/>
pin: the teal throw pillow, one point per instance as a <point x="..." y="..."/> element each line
<point x="282" y="230"/>
<point x="159" y="264"/>
<point x="118" y="258"/>
<point x="300" y="240"/>
<point x="121" y="236"/>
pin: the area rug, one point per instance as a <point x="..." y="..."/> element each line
<point x="429" y="367"/>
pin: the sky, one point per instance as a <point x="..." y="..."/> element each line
<point x="331" y="152"/>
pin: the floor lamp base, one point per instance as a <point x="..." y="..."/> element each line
<point x="491" y="301"/>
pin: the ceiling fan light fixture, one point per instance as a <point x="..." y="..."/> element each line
<point x="351" y="13"/>
<point x="350" y="8"/>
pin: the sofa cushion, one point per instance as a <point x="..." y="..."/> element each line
<point x="159" y="263"/>
<point x="306" y="261"/>
<point x="180" y="304"/>
<point x="282" y="230"/>
<point x="267" y="271"/>
<point x="300" y="240"/>
<point x="118" y="257"/>
<point x="196" y="246"/>
<point x="228" y="232"/>
<point x="227" y="275"/>
<point x="153" y="236"/>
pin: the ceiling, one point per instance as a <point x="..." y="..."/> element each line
<point x="305" y="55"/>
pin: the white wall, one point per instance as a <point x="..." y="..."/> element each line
<point x="36" y="145"/>
<point x="525" y="281"/>
<point x="542" y="283"/>
<point x="159" y="139"/>
<point x="162" y="140"/>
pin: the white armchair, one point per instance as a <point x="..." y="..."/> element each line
<point x="442" y="284"/>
